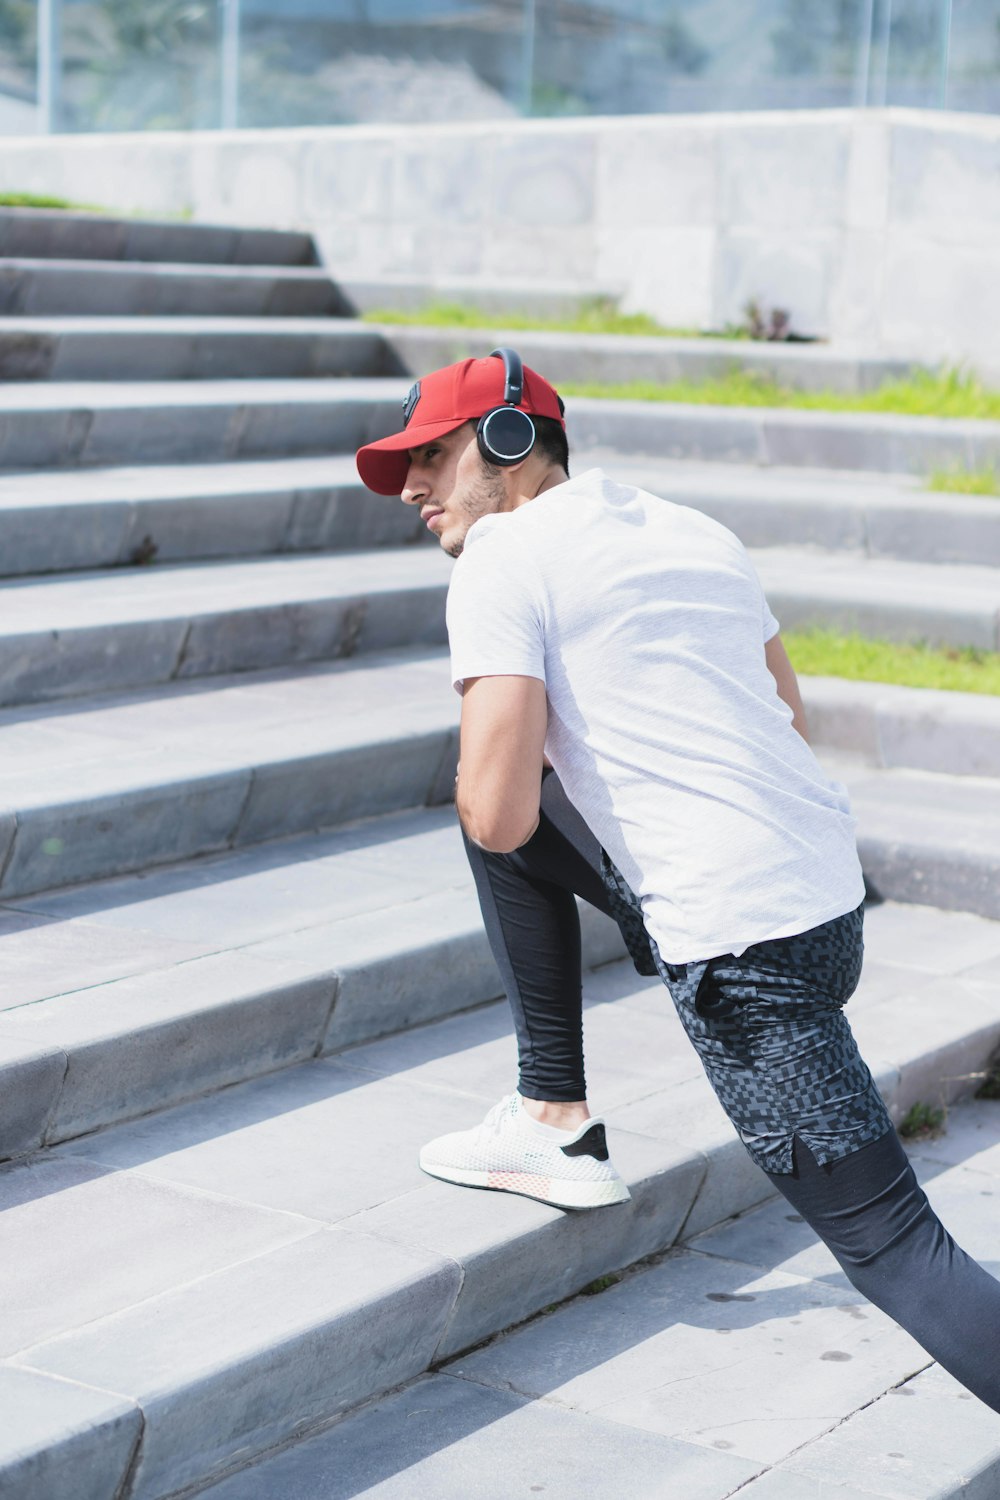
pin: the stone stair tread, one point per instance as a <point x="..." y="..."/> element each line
<point x="91" y="632"/>
<point x="182" y="590"/>
<point x="296" y="1197"/>
<point x="110" y="395"/>
<point x="114" y="784"/>
<point x="587" y="1394"/>
<point x="73" y="519"/>
<point x="27" y="230"/>
<point x="182" y="347"/>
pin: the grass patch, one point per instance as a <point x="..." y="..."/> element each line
<point x="961" y="481"/>
<point x="602" y="1283"/>
<point x="923" y="393"/>
<point x="990" y="1086"/>
<point x="42" y="200"/>
<point x="922" y="1122"/>
<point x="598" y="315"/>
<point x="822" y="652"/>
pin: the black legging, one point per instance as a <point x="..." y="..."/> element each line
<point x="867" y="1207"/>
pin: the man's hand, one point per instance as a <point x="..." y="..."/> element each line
<point x="498" y="787"/>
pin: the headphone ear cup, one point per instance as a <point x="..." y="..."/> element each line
<point x="505" y="435"/>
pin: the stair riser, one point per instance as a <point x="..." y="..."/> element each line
<point x="43" y="667"/>
<point x="87" y="840"/>
<point x="578" y="358"/>
<point x="953" y="880"/>
<point x="765" y="436"/>
<point x="906" y="620"/>
<point x="73" y="437"/>
<point x="146" y="355"/>
<point x="895" y="532"/>
<point x="29" y="234"/>
<point x="115" y="533"/>
<point x="61" y="289"/>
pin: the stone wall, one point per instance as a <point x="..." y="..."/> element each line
<point x="879" y="228"/>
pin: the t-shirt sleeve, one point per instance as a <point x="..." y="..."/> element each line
<point x="771" y="626"/>
<point x="495" y="620"/>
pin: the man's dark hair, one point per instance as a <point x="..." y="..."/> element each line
<point x="550" y="439"/>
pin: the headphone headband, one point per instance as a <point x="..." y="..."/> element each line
<point x="513" y="371"/>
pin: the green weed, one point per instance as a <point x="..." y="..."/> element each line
<point x="825" y="652"/>
<point x="922" y="1122"/>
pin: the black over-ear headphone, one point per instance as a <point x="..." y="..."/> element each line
<point x="505" y="434"/>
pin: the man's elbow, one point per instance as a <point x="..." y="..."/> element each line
<point x="498" y="831"/>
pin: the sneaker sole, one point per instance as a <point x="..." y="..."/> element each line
<point x="557" y="1192"/>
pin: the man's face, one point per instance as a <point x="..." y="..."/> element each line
<point x="453" y="487"/>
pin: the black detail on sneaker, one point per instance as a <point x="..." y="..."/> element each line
<point x="593" y="1143"/>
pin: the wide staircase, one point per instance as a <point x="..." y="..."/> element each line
<point x="244" y="972"/>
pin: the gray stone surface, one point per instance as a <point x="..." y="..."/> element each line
<point x="95" y="633"/>
<point x="145" y="1042"/>
<point x="832" y="440"/>
<point x="48" y="287"/>
<point x="32" y="1073"/>
<point x="86" y="1243"/>
<point x="184" y="348"/>
<point x="130" y="783"/>
<point x="334" y="1319"/>
<point x="62" y="235"/>
<point x="448" y="1438"/>
<point x="617" y="358"/>
<point x="957" y="733"/>
<point x="63" y="1440"/>
<point x="96" y="423"/>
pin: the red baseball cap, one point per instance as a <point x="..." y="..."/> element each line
<point x="441" y="402"/>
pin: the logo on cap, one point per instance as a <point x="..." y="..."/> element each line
<point x="409" y="405"/>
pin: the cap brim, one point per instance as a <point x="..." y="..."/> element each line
<point x="383" y="465"/>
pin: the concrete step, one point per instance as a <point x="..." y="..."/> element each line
<point x="117" y="784"/>
<point x="946" y="604"/>
<point x="103" y="632"/>
<point x="74" y="424"/>
<point x="927" y="837"/>
<point x="617" y="358"/>
<point x="62" y="424"/>
<point x="124" y="995"/>
<point x="878" y="515"/>
<point x="542" y="299"/>
<point x="226" y="1275"/>
<point x="630" y="1382"/>
<point x="187" y="348"/>
<point x="112" y="974"/>
<point x="57" y="234"/>
<point x="784" y="438"/>
<point x="55" y="521"/>
<point x="43" y="288"/>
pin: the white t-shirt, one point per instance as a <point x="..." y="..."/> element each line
<point x="646" y="622"/>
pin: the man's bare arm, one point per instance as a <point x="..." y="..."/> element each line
<point x="504" y="720"/>
<point x="783" y="673"/>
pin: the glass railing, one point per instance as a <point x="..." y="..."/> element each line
<point x="95" y="65"/>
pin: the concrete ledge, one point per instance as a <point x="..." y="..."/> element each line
<point x="572" y="357"/>
<point x="99" y="518"/>
<point x="55" y="287"/>
<point x="62" y="1439"/>
<point x="181" y="348"/>
<point x="97" y="424"/>
<point x="394" y="1272"/>
<point x="919" y="728"/>
<point x="106" y="632"/>
<point x="58" y="234"/>
<point x="835" y="440"/>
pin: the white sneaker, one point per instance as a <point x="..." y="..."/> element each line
<point x="511" y="1153"/>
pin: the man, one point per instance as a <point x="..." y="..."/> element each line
<point x="632" y="733"/>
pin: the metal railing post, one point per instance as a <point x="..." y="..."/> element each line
<point x="230" y="70"/>
<point x="48" y="66"/>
